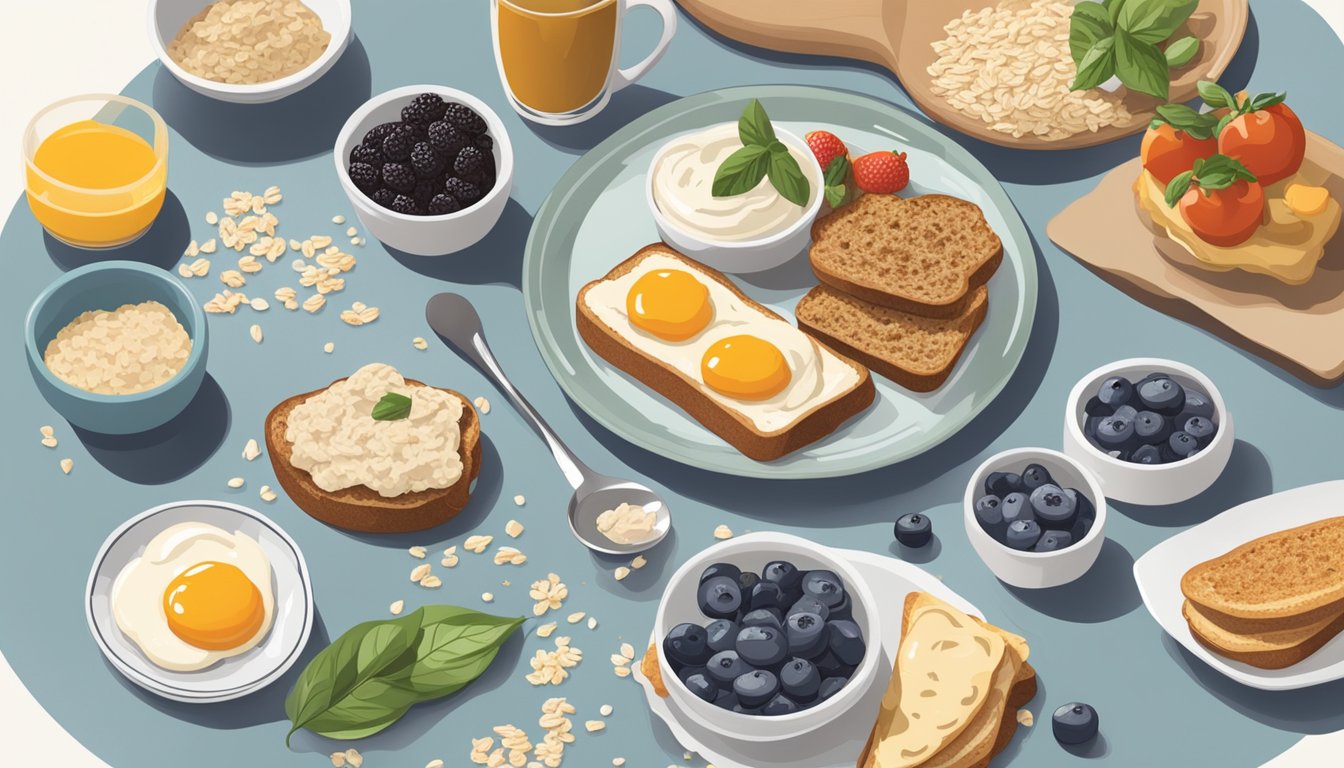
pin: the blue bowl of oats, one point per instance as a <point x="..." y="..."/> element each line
<point x="117" y="347"/>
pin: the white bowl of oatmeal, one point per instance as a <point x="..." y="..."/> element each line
<point x="117" y="347"/>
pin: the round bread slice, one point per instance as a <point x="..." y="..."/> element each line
<point x="360" y="508"/>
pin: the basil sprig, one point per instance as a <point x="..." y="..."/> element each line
<point x="371" y="675"/>
<point x="1198" y="125"/>
<point x="837" y="173"/>
<point x="1218" y="97"/>
<point x="1120" y="38"/>
<point x="762" y="155"/>
<point x="1210" y="174"/>
<point x="392" y="407"/>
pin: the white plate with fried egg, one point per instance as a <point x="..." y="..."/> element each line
<point x="200" y="601"/>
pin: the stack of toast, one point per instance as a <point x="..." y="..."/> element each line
<point x="953" y="698"/>
<point x="1273" y="601"/>
<point x="903" y="283"/>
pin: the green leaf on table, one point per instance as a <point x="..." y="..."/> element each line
<point x="1097" y="65"/>
<point x="754" y="127"/>
<point x="1153" y="21"/>
<point x="741" y="171"/>
<point x="1140" y="65"/>
<point x="1089" y="25"/>
<point x="788" y="179"/>
<point x="1181" y="51"/>
<point x="392" y="407"/>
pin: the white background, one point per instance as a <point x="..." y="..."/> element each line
<point x="49" y="57"/>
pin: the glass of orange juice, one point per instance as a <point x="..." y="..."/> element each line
<point x="559" y="59"/>
<point x="96" y="169"/>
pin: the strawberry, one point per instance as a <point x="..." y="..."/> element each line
<point x="826" y="146"/>
<point x="881" y="173"/>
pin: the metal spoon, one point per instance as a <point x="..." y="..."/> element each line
<point x="455" y="320"/>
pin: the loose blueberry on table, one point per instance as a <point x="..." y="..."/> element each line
<point x="1034" y="514"/>
<point x="780" y="642"/>
<point x="437" y="159"/>
<point x="1075" y="723"/>
<point x="914" y="530"/>
<point x="1153" y="421"/>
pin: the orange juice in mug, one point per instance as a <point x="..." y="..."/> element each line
<point x="558" y="58"/>
<point x="96" y="169"/>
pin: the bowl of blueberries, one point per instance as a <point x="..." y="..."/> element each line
<point x="767" y="636"/>
<point x="1036" y="517"/>
<point x="427" y="168"/>
<point x="1153" y="431"/>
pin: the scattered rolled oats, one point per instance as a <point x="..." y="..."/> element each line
<point x="272" y="195"/>
<point x="67" y="465"/>
<point x="519" y="500"/>
<point x="396" y="607"/>
<point x="549" y="594"/>
<point x="621" y="573"/>
<point x="576" y="617"/>
<point x="359" y="314"/>
<point x="434" y="764"/>
<point x="209" y="246"/>
<point x="46" y="430"/>
<point x="419" y="343"/>
<point x="211" y="218"/>
<point x="622" y="671"/>
<point x="547" y="629"/>
<point x="314" y="304"/>
<point x="509" y="556"/>
<point x="192" y="250"/>
<point x="251" y="450"/>
<point x="50" y="442"/>
<point x="592" y="622"/>
<point x="487" y="597"/>
<point x="419" y="572"/>
<point x="552" y="667"/>
<point x="353" y="758"/>
<point x="255" y="333"/>
<point x="287" y="297"/>
<point x="628" y="651"/>
<point x="236" y="482"/>
<point x="417" y="552"/>
<point x="259" y="304"/>
<point x="232" y="278"/>
<point x="329" y="347"/>
<point x="197" y="268"/>
<point x="431" y="582"/>
<point x="513" y="528"/>
<point x="477" y="543"/>
<point x="639" y="562"/>
<point x="482" y="405"/>
<point x="605" y="710"/>
<point x="723" y="532"/>
<point x="356" y="241"/>
<point x="267" y="494"/>
<point x="1025" y="717"/>
<point x="618" y="761"/>
<point x="593" y="726"/>
<point x="338" y="219"/>
<point x="249" y="265"/>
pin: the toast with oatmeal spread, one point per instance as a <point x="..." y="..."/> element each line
<point x="359" y="507"/>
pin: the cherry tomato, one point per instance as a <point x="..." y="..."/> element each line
<point x="1270" y="142"/>
<point x="1167" y="152"/>
<point x="1224" y="217"/>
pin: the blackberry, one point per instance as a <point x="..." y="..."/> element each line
<point x="426" y="162"/>
<point x="399" y="177"/>
<point x="374" y="138"/>
<point x="397" y="146"/>
<point x="424" y="109"/>
<point x="404" y="204"/>
<point x="365" y="176"/>
<point x="470" y="162"/>
<point x="424" y="191"/>
<point x="369" y="155"/>
<point x="446" y="138"/>
<point x="465" y="117"/>
<point x="443" y="203"/>
<point x="484" y="143"/>
<point x="465" y="192"/>
<point x="383" y="196"/>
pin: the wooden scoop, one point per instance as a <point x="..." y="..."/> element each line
<point x="897" y="34"/>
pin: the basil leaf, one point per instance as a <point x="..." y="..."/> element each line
<point x="1199" y="125"/>
<point x="837" y="173"/>
<point x="456" y="645"/>
<point x="1097" y="66"/>
<point x="1180" y="52"/>
<point x="1266" y="100"/>
<point x="1113" y="8"/>
<point x="1215" y="95"/>
<point x="1089" y="25"/>
<point x="741" y="171"/>
<point x="754" y="128"/>
<point x="1140" y="66"/>
<point x="1177" y="187"/>
<point x="788" y="178"/>
<point x="392" y="407"/>
<point x="1152" y="21"/>
<point x="1221" y="172"/>
<point x="835" y="195"/>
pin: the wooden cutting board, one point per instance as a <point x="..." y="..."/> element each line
<point x="897" y="34"/>
<point x="1300" y="328"/>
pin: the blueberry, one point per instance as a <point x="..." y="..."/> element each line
<point x="846" y="641"/>
<point x="1054" y="509"/>
<point x="1081" y="526"/>
<point x="806" y="633"/>
<point x="989" y="513"/>
<point x="1002" y="483"/>
<point x="1201" y="429"/>
<point x="1196" y="404"/>
<point x="1095" y="407"/>
<point x="830" y="665"/>
<point x="699" y="683"/>
<point x="686" y="645"/>
<point x="756" y="687"/>
<point x="1151" y="428"/>
<point x="762" y="646"/>
<point x="1183" y="445"/>
<point x="825" y="586"/>
<point x="779" y="704"/>
<point x="1016" y="507"/>
<point x="766" y="595"/>
<point x="726" y="699"/>
<point x="1083" y="504"/>
<point x="1052" y="541"/>
<point x="844" y="610"/>
<point x="721" y="634"/>
<point x="1034" y="476"/>
<point x="1023" y="534"/>
<point x="809" y="604"/>
<point x="762" y="617"/>
<point x="799" y="679"/>
<point x="720" y="569"/>
<point x="720" y="597"/>
<point x="783" y="573"/>
<point x="1115" y="391"/>
<point x="1160" y="393"/>
<point x="748" y="581"/>
<point x="742" y="709"/>
<point x="1147" y="454"/>
<point x="1075" y="723"/>
<point x="914" y="529"/>
<point x="1090" y="428"/>
<point x="1115" y="433"/>
<point x="1127" y="412"/>
<point x="829" y="687"/>
<point x="726" y="666"/>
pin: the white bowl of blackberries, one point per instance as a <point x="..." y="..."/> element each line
<point x="1153" y="431"/>
<point x="1035" y="517"/>
<point x="767" y="636"/>
<point x="427" y="168"/>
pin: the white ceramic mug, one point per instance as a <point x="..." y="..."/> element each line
<point x="558" y="58"/>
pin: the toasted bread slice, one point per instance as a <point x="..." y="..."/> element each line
<point x="924" y="256"/>
<point x="916" y="352"/>
<point x="1292" y="578"/>
<point x="359" y="508"/>
<point x="1268" y="649"/>
<point x="688" y="393"/>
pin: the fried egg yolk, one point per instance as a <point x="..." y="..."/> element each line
<point x="745" y="368"/>
<point x="670" y="304"/>
<point x="213" y="606"/>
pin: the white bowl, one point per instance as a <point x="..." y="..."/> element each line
<point x="1149" y="484"/>
<point x="746" y="255"/>
<point x="1037" y="570"/>
<point x="752" y="552"/>
<point x="167" y="17"/>
<point x="425" y="235"/>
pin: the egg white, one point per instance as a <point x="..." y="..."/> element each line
<point x="817" y="375"/>
<point x="137" y="593"/>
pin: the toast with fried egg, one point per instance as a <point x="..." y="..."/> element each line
<point x="741" y="370"/>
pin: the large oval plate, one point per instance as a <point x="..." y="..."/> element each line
<point x="596" y="217"/>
